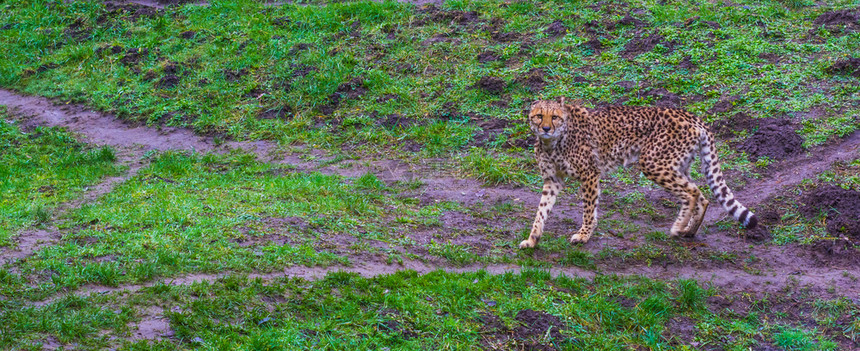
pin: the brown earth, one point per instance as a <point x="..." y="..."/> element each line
<point x="841" y="208"/>
<point x="775" y="138"/>
<point x="492" y="85"/>
<point x="850" y="18"/>
<point x="645" y="42"/>
<point x="847" y="66"/>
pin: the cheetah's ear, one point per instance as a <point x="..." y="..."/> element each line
<point x="572" y="109"/>
<point x="561" y="100"/>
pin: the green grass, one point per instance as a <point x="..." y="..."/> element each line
<point x="42" y="169"/>
<point x="407" y="311"/>
<point x="285" y="74"/>
<point x="246" y="62"/>
<point x="193" y="213"/>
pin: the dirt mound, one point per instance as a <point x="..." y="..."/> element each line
<point x="663" y="98"/>
<point x="594" y="45"/>
<point x="439" y="38"/>
<point x="168" y="81"/>
<point x="283" y="113"/>
<point x="434" y="14"/>
<point x="847" y="66"/>
<point x="537" y="323"/>
<point x="491" y="85"/>
<point x="302" y="70"/>
<point x="841" y="207"/>
<point x="628" y="20"/>
<point x="641" y="44"/>
<point x="352" y="89"/>
<point x="77" y="31"/>
<point x="490" y="130"/>
<point x="174" y="2"/>
<point x="686" y="64"/>
<point x="233" y="76"/>
<point x="134" y="55"/>
<point x="533" y="80"/>
<point x="130" y="10"/>
<point x="487" y="56"/>
<point x="849" y="18"/>
<point x="505" y="37"/>
<point x="737" y="122"/>
<point x="834" y="252"/>
<point x="775" y="138"/>
<point x="496" y="30"/>
<point x="724" y="105"/>
<point x="395" y="120"/>
<point x="556" y="29"/>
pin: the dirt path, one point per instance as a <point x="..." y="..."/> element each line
<point x="818" y="280"/>
<point x="130" y="143"/>
<point x="133" y="141"/>
<point x="31" y="240"/>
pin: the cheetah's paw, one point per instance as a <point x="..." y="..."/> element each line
<point x="579" y="238"/>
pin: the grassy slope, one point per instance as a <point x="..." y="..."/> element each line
<point x="242" y="62"/>
<point x="193" y="213"/>
<point x="405" y="311"/>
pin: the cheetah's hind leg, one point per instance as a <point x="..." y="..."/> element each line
<point x="697" y="218"/>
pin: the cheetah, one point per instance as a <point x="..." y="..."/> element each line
<point x="572" y="142"/>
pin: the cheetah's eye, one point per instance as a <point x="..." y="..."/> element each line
<point x="554" y="118"/>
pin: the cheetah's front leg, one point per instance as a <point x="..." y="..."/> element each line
<point x="551" y="188"/>
<point x="589" y="190"/>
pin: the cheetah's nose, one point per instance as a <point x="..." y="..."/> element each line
<point x="546" y="129"/>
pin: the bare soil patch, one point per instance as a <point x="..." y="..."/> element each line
<point x="537" y="324"/>
<point x="645" y="42"/>
<point x="533" y="80"/>
<point x="775" y="138"/>
<point x="681" y="329"/>
<point x="488" y="56"/>
<point x="848" y="67"/>
<point x="490" y="130"/>
<point x="130" y="9"/>
<point x="841" y="208"/>
<point x="352" y="89"/>
<point x="152" y="326"/>
<point x="663" y="98"/>
<point x="686" y="64"/>
<point x="435" y="14"/>
<point x="492" y="85"/>
<point x="832" y="20"/>
<point x="556" y="29"/>
<point x="593" y="44"/>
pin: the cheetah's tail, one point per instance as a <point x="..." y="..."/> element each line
<point x="711" y="169"/>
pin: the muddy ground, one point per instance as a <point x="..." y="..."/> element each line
<point x="820" y="267"/>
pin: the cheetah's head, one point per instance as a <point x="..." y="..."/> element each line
<point x="548" y="118"/>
